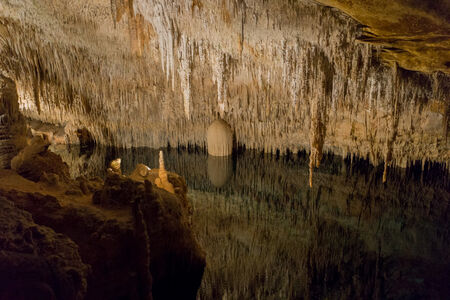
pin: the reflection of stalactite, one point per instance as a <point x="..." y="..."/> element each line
<point x="142" y="249"/>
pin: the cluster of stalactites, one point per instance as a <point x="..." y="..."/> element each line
<point x="270" y="91"/>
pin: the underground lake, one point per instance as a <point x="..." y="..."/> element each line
<point x="268" y="235"/>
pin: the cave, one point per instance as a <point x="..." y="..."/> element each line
<point x="232" y="149"/>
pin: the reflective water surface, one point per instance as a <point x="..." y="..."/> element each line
<point x="268" y="235"/>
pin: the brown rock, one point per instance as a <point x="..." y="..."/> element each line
<point x="137" y="239"/>
<point x="35" y="160"/>
<point x="36" y="262"/>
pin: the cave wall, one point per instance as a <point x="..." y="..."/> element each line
<point x="284" y="74"/>
<point x="12" y="123"/>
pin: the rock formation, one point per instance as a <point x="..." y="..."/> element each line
<point x="262" y="66"/>
<point x="162" y="180"/>
<point x="35" y="261"/>
<point x="140" y="173"/>
<point x="219" y="138"/>
<point x="135" y="238"/>
<point x="286" y="75"/>
<point x="35" y="160"/>
<point x="114" y="166"/>
<point x="12" y="123"/>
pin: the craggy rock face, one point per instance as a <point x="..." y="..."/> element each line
<point x="35" y="261"/>
<point x="136" y="238"/>
<point x="176" y="259"/>
<point x="284" y="74"/>
<point x="35" y="162"/>
<point x="12" y="123"/>
<point x="414" y="33"/>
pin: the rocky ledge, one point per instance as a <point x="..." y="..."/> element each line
<point x="93" y="239"/>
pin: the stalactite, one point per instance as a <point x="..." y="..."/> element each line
<point x="221" y="75"/>
<point x="185" y="72"/>
<point x="267" y="89"/>
<point x="394" y="118"/>
<point x="319" y="112"/>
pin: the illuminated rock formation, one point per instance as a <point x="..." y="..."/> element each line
<point x="115" y="166"/>
<point x="140" y="173"/>
<point x="134" y="238"/>
<point x="162" y="180"/>
<point x="220" y="139"/>
<point x="254" y="63"/>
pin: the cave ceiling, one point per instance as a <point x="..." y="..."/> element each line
<point x="363" y="77"/>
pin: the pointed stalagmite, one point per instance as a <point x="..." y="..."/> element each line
<point x="163" y="181"/>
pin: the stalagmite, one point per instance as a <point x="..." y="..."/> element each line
<point x="114" y="166"/>
<point x="162" y="181"/>
<point x="140" y="173"/>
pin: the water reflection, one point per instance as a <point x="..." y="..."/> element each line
<point x="269" y="236"/>
<point x="220" y="169"/>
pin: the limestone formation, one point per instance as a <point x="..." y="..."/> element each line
<point x="37" y="145"/>
<point x="36" y="162"/>
<point x="115" y="166"/>
<point x="35" y="261"/>
<point x="140" y="173"/>
<point x="136" y="238"/>
<point x="220" y="139"/>
<point x="12" y="123"/>
<point x="252" y="62"/>
<point x="162" y="180"/>
<point x="85" y="137"/>
<point x="420" y="28"/>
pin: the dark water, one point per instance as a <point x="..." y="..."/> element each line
<point x="268" y="235"/>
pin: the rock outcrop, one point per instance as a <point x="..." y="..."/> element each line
<point x="36" y="161"/>
<point x="12" y="123"/>
<point x="136" y="238"/>
<point x="35" y="261"/>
